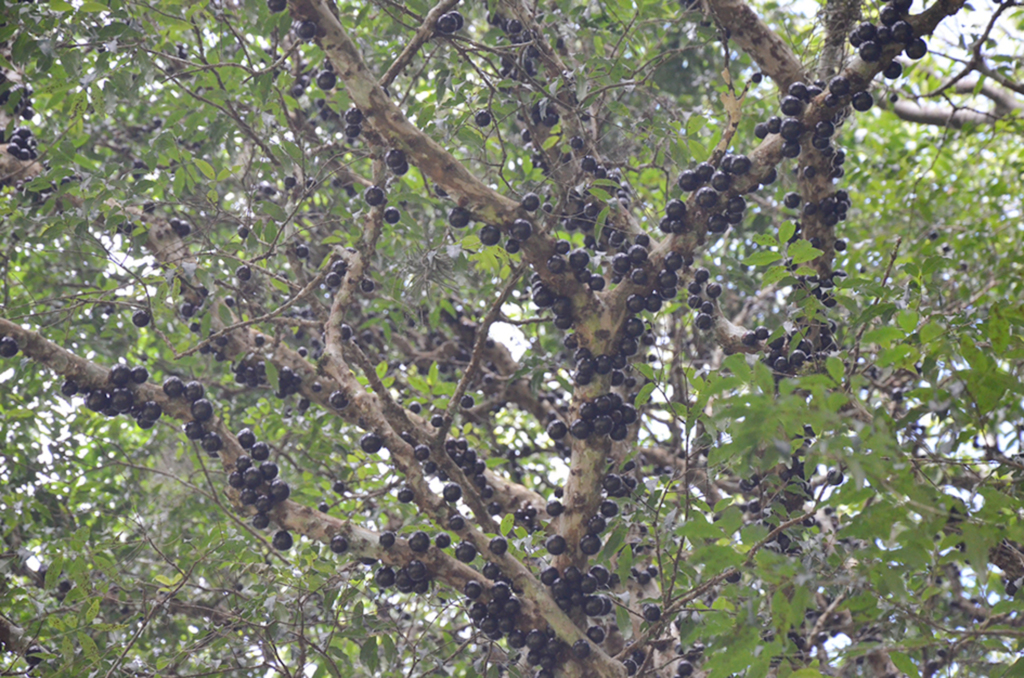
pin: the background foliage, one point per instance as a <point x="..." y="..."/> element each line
<point x="125" y="554"/>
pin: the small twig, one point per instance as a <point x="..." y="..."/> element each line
<point x="423" y="34"/>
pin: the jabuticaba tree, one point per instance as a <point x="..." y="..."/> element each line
<point x="500" y="338"/>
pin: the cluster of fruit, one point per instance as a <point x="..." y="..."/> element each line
<point x="22" y="145"/>
<point x="120" y="396"/>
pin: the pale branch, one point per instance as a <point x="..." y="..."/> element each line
<point x="433" y="160"/>
<point x="395" y="415"/>
<point x="422" y="35"/>
<point x="482" y="332"/>
<point x="367" y="413"/>
<point x="693" y="475"/>
<point x="1003" y="98"/>
<point x="942" y="116"/>
<point x="227" y="110"/>
<point x="13" y="637"/>
<point x="226" y="331"/>
<point x="840" y="16"/>
<point x="12" y="169"/>
<point x="768" y="50"/>
<point x="395" y="419"/>
<point x="768" y="154"/>
<point x="1006" y="82"/>
<point x="290" y="514"/>
<point x="366" y="410"/>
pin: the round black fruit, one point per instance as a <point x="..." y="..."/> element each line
<point x="385" y="577"/>
<point x="326" y="80"/>
<point x="448" y="23"/>
<point x="141" y="318"/>
<point x="282" y="540"/>
<point x="465" y="552"/>
<point x="202" y="410"/>
<point x="339" y="544"/>
<point x="371" y="443"/>
<point x="374" y="196"/>
<point x="590" y="544"/>
<point x="306" y="30"/>
<point x="173" y="387"/>
<point x="707" y="197"/>
<point x="119" y="375"/>
<point x="459" y="217"/>
<point x="862" y="101"/>
<point x="194" y="391"/>
<point x="917" y="49"/>
<point x="870" y="51"/>
<point x="556" y="545"/>
<point x="482" y="118"/>
<point x="419" y="542"/>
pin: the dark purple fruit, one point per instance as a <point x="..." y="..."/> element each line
<point x="282" y="540"/>
<point x="306" y="30"/>
<point x="371" y="443"/>
<point x="374" y="196"/>
<point x="202" y="410"/>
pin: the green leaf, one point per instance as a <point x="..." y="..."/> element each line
<point x="908" y="320"/>
<point x="381" y="369"/>
<point x="646" y="370"/>
<point x="205" y="168"/>
<point x="773" y="275"/>
<point x="786" y="231"/>
<point x="1015" y="671"/>
<point x="644" y="395"/>
<point x="762" y="258"/>
<point x="273" y="377"/>
<point x="368" y="653"/>
<point x="835" y="368"/>
<point x="801" y="251"/>
<point x="623" y="621"/>
<point x="883" y="336"/>
<point x="224" y="313"/>
<point x="930" y="332"/>
<point x="54" y="572"/>
<point x="905" y="664"/>
<point x="625" y="562"/>
<point x="506" y="523"/>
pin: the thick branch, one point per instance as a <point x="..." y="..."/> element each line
<point x="423" y="34"/>
<point x="840" y="17"/>
<point x="539" y="608"/>
<point x="771" y="53"/>
<point x="12" y="636"/>
<point x="434" y="161"/>
<point x="942" y="116"/>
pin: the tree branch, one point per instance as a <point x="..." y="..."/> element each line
<point x="422" y="34"/>
<point x="433" y="160"/>
<point x="942" y="116"/>
<point x="771" y="53"/>
<point x="840" y="16"/>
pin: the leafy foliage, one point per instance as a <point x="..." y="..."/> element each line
<point x="856" y="511"/>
